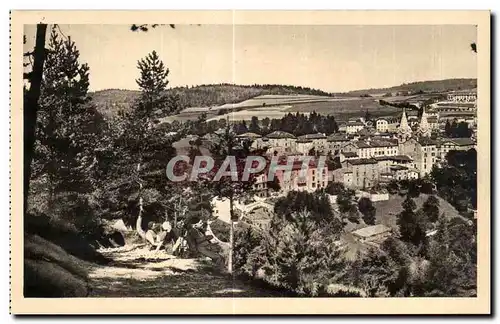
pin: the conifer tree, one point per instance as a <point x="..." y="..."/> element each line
<point x="143" y="151"/>
<point x="153" y="85"/>
<point x="68" y="125"/>
<point x="67" y="136"/>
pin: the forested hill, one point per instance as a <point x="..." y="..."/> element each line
<point x="426" y="86"/>
<point x="112" y="100"/>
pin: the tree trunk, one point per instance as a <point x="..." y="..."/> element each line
<point x="138" y="224"/>
<point x="30" y="107"/>
<point x="231" y="237"/>
<point x="231" y="247"/>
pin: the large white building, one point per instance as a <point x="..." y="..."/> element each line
<point x="463" y="96"/>
<point x="307" y="142"/>
<point x="354" y="127"/>
<point x="281" y="142"/>
<point x="373" y="147"/>
<point x="386" y="124"/>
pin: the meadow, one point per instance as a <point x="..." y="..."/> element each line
<point x="277" y="106"/>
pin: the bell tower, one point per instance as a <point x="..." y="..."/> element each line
<point x="404" y="129"/>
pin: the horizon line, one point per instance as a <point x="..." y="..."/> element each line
<point x="291" y="85"/>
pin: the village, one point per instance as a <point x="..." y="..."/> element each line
<point x="233" y="189"/>
<point x="364" y="155"/>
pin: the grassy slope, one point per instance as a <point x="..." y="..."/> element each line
<point x="387" y="210"/>
<point x="387" y="214"/>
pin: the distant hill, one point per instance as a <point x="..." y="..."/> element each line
<point x="425" y="86"/>
<point x="111" y="101"/>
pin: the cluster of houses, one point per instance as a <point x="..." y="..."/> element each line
<point x="368" y="157"/>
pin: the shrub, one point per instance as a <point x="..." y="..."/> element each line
<point x="297" y="255"/>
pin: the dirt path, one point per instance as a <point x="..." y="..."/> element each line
<point x="136" y="272"/>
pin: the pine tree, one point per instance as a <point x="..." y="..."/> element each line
<point x="226" y="145"/>
<point x="137" y="182"/>
<point x="68" y="124"/>
<point x="153" y="85"/>
<point x="67" y="138"/>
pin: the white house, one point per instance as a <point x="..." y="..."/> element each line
<point x="354" y="127"/>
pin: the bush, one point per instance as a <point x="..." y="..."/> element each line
<point x="298" y="255"/>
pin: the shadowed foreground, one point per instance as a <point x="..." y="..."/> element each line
<point x="136" y="272"/>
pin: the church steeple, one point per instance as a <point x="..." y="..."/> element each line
<point x="424" y="129"/>
<point x="404" y="130"/>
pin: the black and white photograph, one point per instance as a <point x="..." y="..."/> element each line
<point x="251" y="160"/>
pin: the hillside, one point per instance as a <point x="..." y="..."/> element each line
<point x="387" y="210"/>
<point x="213" y="99"/>
<point x="426" y="86"/>
<point x="111" y="101"/>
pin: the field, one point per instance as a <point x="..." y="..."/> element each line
<point x="275" y="107"/>
<point x="261" y="101"/>
<point x="345" y="108"/>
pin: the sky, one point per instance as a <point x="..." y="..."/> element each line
<point x="330" y="58"/>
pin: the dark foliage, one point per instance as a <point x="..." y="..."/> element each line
<point x="411" y="225"/>
<point x="457" y="130"/>
<point x="365" y="206"/>
<point x="456" y="180"/>
<point x="317" y="204"/>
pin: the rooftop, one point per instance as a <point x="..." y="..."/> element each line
<point x="464" y="92"/>
<point x="389" y="119"/>
<point x="280" y="134"/>
<point x="462" y="141"/>
<point x="362" y="161"/>
<point x="337" y="138"/>
<point x="297" y="165"/>
<point x="402" y="158"/>
<point x="371" y="230"/>
<point x="356" y="123"/>
<point x="456" y="104"/>
<point x="349" y="154"/>
<point x="366" y="131"/>
<point x="250" y="135"/>
<point x="375" y="143"/>
<point x="399" y="158"/>
<point x="312" y="136"/>
<point x="425" y="141"/>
